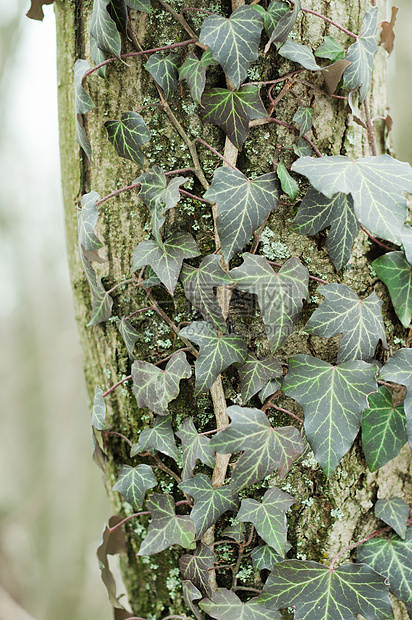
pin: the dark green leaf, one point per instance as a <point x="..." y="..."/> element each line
<point x="233" y="41"/>
<point x="265" y="448"/>
<point x="216" y="353"/>
<point x="395" y="271"/>
<point x="407" y="242"/>
<point x="193" y="71"/>
<point x="288" y="183"/>
<point x="359" y="320"/>
<point x="332" y="398"/>
<point x="194" y="447"/>
<point x="128" y="135"/>
<point x="139" y="5"/>
<point x="242" y="206"/>
<point x="296" y="52"/>
<point x="393" y="512"/>
<point x="166" y="528"/>
<point x="392" y="558"/>
<point x="160" y="438"/>
<point x="271" y="17"/>
<point x="99" y="411"/>
<point x="129" y="335"/>
<point x="195" y="567"/>
<point x="151" y="278"/>
<point x="82" y="104"/>
<point x="265" y="557"/>
<point x="103" y="29"/>
<point x="155" y="388"/>
<point x="166" y="260"/>
<point x="163" y="70"/>
<point x="133" y="482"/>
<point x="226" y="605"/>
<point x="86" y="222"/>
<point x="330" y="49"/>
<point x="270" y="388"/>
<point x="235" y="531"/>
<point x="232" y="111"/>
<point x="361" y="56"/>
<point x="280" y="295"/>
<point x="190" y="594"/>
<point x="323" y="594"/>
<point x="302" y="148"/>
<point x="102" y="302"/>
<point x="376" y="185"/>
<point x="198" y="287"/>
<point x="98" y="57"/>
<point x="118" y="12"/>
<point x="383" y="429"/>
<point x="399" y="369"/>
<point x="316" y="212"/>
<point x="36" y="9"/>
<point x="210" y="503"/>
<point x="284" y="26"/>
<point x="269" y="517"/>
<point x="303" y="117"/>
<point x="255" y="374"/>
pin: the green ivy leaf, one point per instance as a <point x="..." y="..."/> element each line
<point x="128" y="135"/>
<point x="302" y="148"/>
<point x="265" y="557"/>
<point x="103" y="29"/>
<point x="133" y="482"/>
<point x="320" y="593"/>
<point x="216" y="353"/>
<point x="196" y="567"/>
<point x="102" y="302"/>
<point x="163" y="70"/>
<point x="303" y="117"/>
<point x="198" y="286"/>
<point x="232" y="111"/>
<point x="166" y="260"/>
<point x="407" y="242"/>
<point x="376" y="185"/>
<point x="271" y="17"/>
<point x="233" y="41"/>
<point x="83" y="103"/>
<point x="359" y="320"/>
<point x="332" y="398"/>
<point x="399" y="369"/>
<point x="99" y="411"/>
<point x="129" y="335"/>
<point x="210" y="503"/>
<point x="392" y="558"/>
<point x="236" y="531"/>
<point x="194" y="447"/>
<point x="255" y="374"/>
<point x="166" y="528"/>
<point x="118" y="12"/>
<point x="226" y="605"/>
<point x="284" y="26"/>
<point x="86" y="222"/>
<point x="287" y="182"/>
<point x="139" y="5"/>
<point x="393" y="512"/>
<point x="395" y="271"/>
<point x="270" y="388"/>
<point x="280" y="295"/>
<point x="193" y="71"/>
<point x="316" y="212"/>
<point x="269" y="517"/>
<point x="361" y="55"/>
<point x="155" y="388"/>
<point x="97" y="57"/>
<point x="160" y="438"/>
<point x="242" y="206"/>
<point x="296" y="52"/>
<point x="331" y="49"/>
<point x="190" y="594"/>
<point x="265" y="448"/>
<point x="383" y="429"/>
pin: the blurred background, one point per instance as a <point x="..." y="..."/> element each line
<point x="52" y="501"/>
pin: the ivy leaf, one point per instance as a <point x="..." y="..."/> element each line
<point x="118" y="12"/>
<point x="331" y="49"/>
<point x="264" y="557"/>
<point x="255" y="374"/>
<point x="36" y="9"/>
<point x="166" y="528"/>
<point x="129" y="335"/>
<point x="399" y="369"/>
<point x="233" y="41"/>
<point x="271" y="17"/>
<point x="128" y="135"/>
<point x="99" y="411"/>
<point x="97" y="57"/>
<point x="296" y="52"/>
<point x="112" y="543"/>
<point x="210" y="503"/>
<point x="235" y="531"/>
<point x="287" y="182"/>
<point x="155" y="388"/>
<point x="284" y="26"/>
<point x="376" y="185"/>
<point x="226" y="605"/>
<point x="133" y="482"/>
<point x="196" y="567"/>
<point x="332" y="398"/>
<point x="361" y="55"/>
<point x="325" y="594"/>
<point x="387" y="37"/>
<point x="302" y="148"/>
<point x="102" y="302"/>
<point x="194" y="447"/>
<point x="160" y="438"/>
<point x="393" y="512"/>
<point x="407" y="242"/>
<point x="166" y="260"/>
<point x="98" y="456"/>
<point x="198" y="286"/>
<point x="163" y="70"/>
<point x="103" y="29"/>
<point x="332" y="76"/>
<point x="303" y="117"/>
<point x="280" y="295"/>
<point x="268" y="516"/>
<point x="217" y="352"/>
<point x="82" y="104"/>
<point x="242" y="206"/>
<point x="392" y="558"/>
<point x="383" y="429"/>
<point x="271" y="388"/>
<point x="232" y="111"/>
<point x="395" y="271"/>
<point x="359" y="320"/>
<point x="190" y="594"/>
<point x="86" y="222"/>
<point x="139" y="5"/>
<point x="265" y="448"/>
<point x="193" y="71"/>
<point x="316" y="212"/>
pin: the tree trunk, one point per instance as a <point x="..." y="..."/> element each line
<point x="332" y="512"/>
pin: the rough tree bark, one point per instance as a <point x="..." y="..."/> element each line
<point x="339" y="508"/>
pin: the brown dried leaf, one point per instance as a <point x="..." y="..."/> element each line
<point x="36" y="9"/>
<point x="333" y="74"/>
<point x="387" y="33"/>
